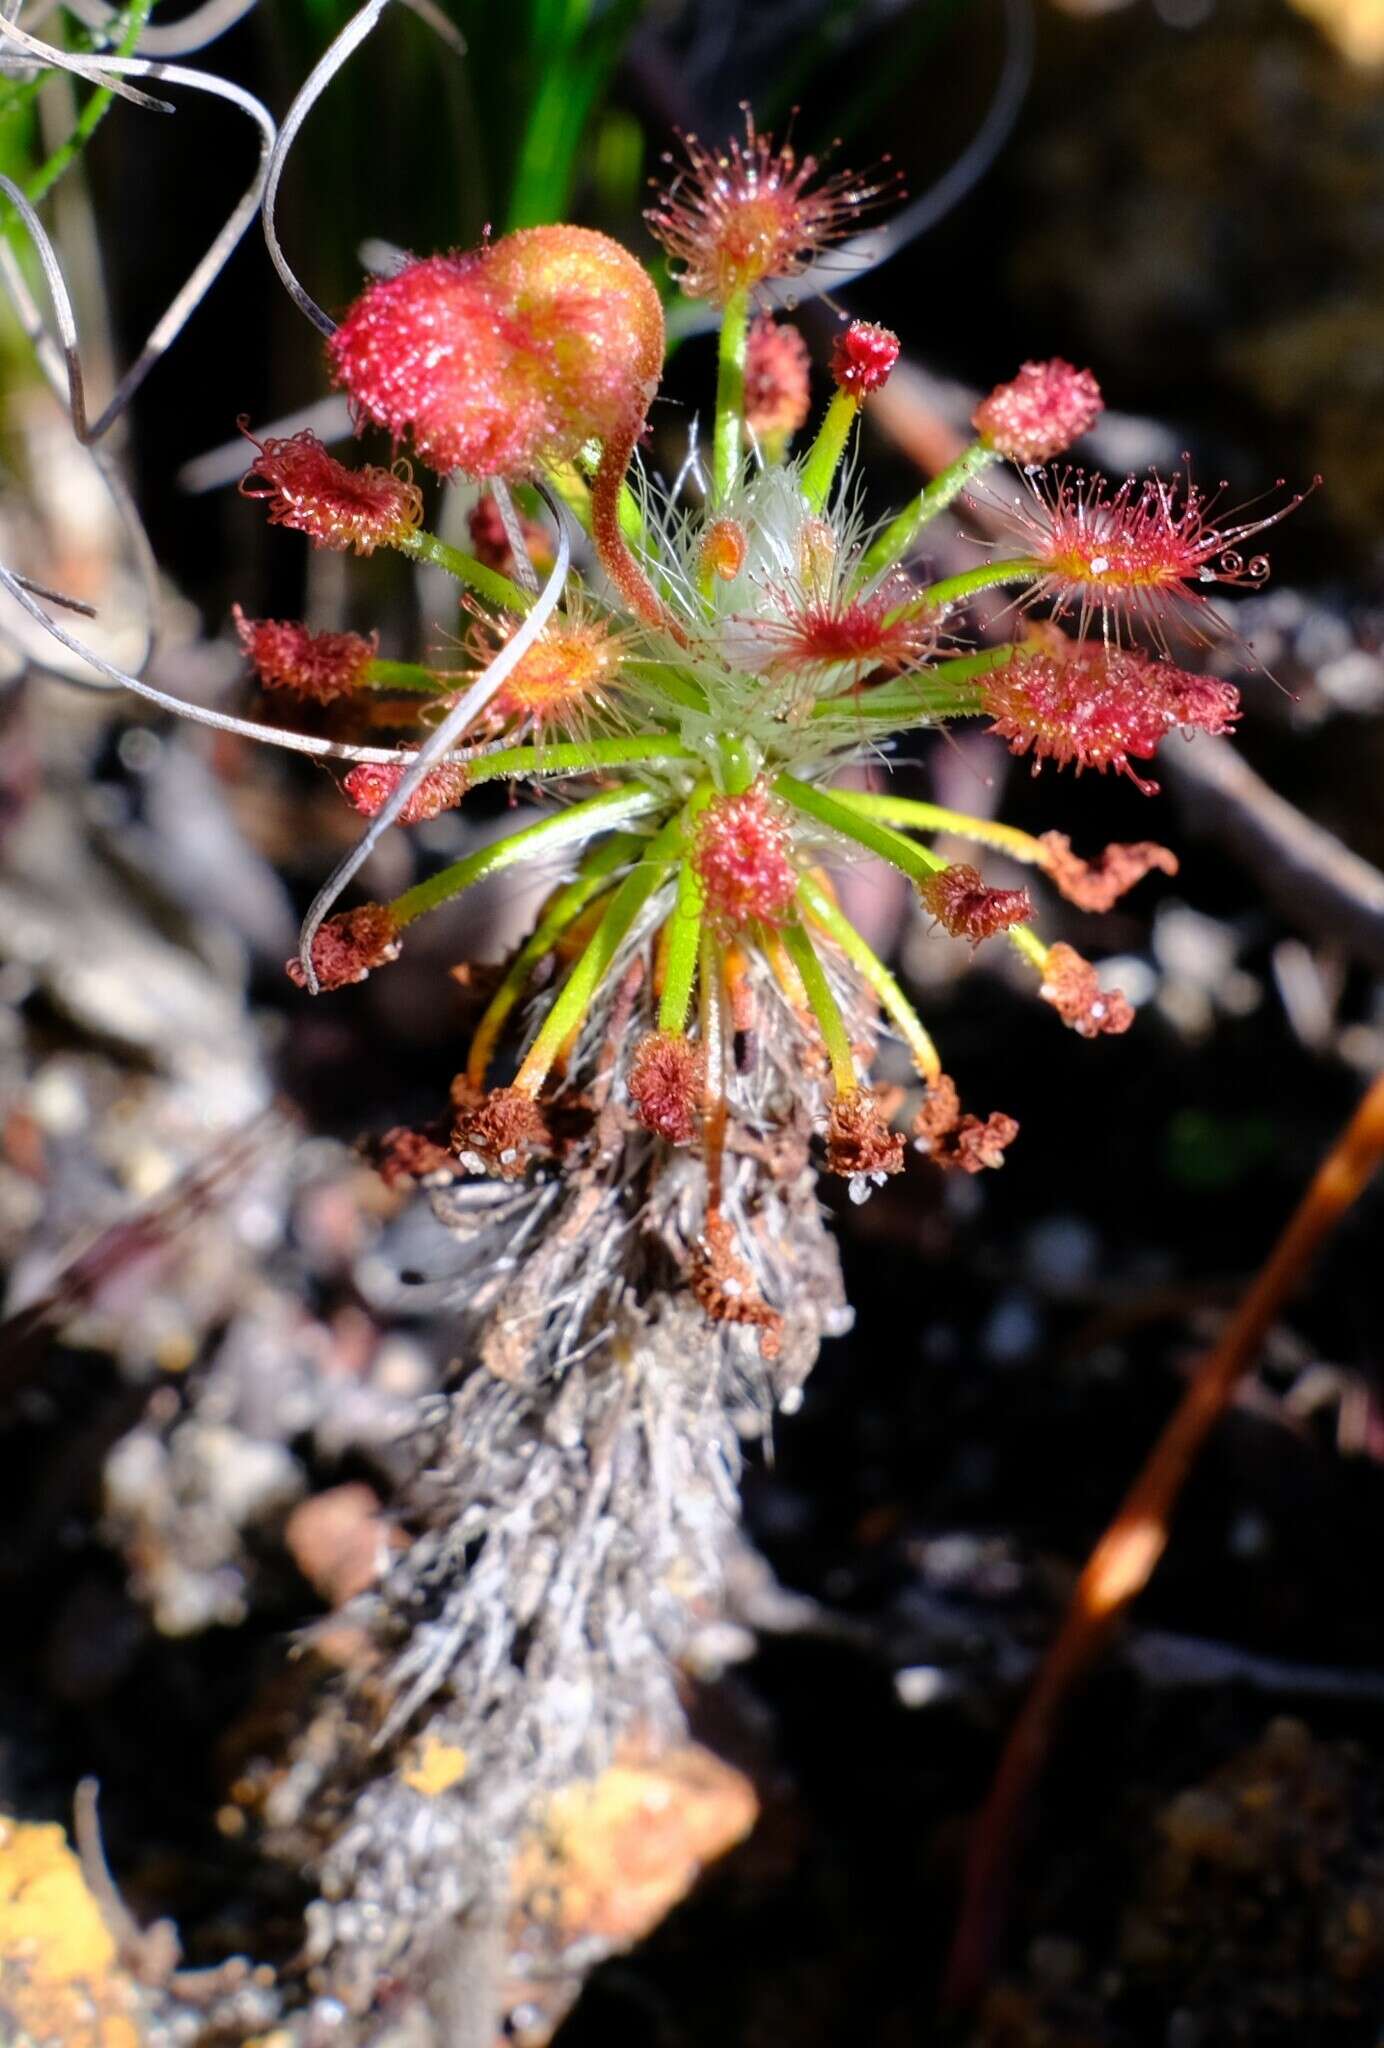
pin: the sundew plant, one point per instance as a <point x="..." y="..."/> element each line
<point x="685" y="706"/>
<point x="679" y="682"/>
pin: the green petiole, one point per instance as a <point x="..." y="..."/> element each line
<point x="591" y="969"/>
<point x="574" y="757"/>
<point x="898" y="537"/>
<point x="824" y="456"/>
<point x="955" y="589"/>
<point x="829" y="810"/>
<point x="730" y="396"/>
<point x="684" y="944"/>
<point x="487" y="583"/>
<point x="568" y="828"/>
<point x="820" y="908"/>
<point x="563" y="908"/>
<point x="823" y="1005"/>
<point x="924" y="817"/>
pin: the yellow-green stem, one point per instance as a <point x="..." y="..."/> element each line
<point x="898" y="537"/>
<point x="738" y="764"/>
<point x="827" y="808"/>
<point x="891" y="998"/>
<point x="567" y="828"/>
<point x="1029" y="946"/>
<point x="945" y="690"/>
<point x="955" y="589"/>
<point x="563" y="908"/>
<point x="730" y="396"/>
<point x="666" y="681"/>
<point x="838" y="810"/>
<point x="824" y="1007"/>
<point x="710" y="1017"/>
<point x="824" y="456"/>
<point x="574" y="757"/>
<point x="922" y="817"/>
<point x="684" y="944"/>
<point x="409" y="677"/>
<point x="487" y="583"/>
<point x="574" y="997"/>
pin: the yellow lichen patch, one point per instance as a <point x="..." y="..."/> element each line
<point x="434" y="1766"/>
<point x="614" y="1857"/>
<point x="59" y="1984"/>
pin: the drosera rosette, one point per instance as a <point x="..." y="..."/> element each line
<point x="688" y="708"/>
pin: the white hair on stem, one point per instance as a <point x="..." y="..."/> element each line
<point x="171" y="39"/>
<point x="314" y="85"/>
<point x="61" y="364"/>
<point x="95" y="70"/>
<point x="199" y="280"/>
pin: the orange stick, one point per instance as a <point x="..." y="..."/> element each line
<point x="1123" y="1560"/>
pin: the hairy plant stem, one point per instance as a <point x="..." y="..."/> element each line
<point x="893" y="543"/>
<point x="738" y="764"/>
<point x="824" y="456"/>
<point x="590" y="971"/>
<point x="956" y="589"/>
<point x="559" y="914"/>
<point x="823" y="1005"/>
<point x="568" y="828"/>
<point x="408" y="676"/>
<point x="730" y="396"/>
<point x="937" y="692"/>
<point x="827" y="808"/>
<point x="575" y="757"/>
<point x="711" y="1020"/>
<point x="684" y="930"/>
<point x="822" y="911"/>
<point x="1029" y="946"/>
<point x="835" y="810"/>
<point x="924" y="817"/>
<point x="496" y="589"/>
<point x="669" y="682"/>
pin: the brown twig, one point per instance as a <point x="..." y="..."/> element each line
<point x="1123" y="1560"/>
<point x="1321" y="885"/>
